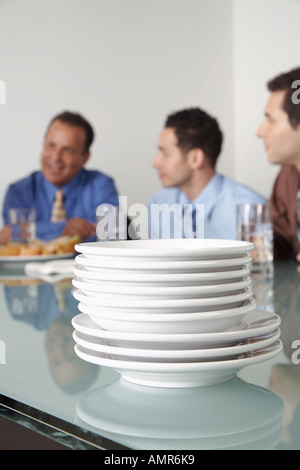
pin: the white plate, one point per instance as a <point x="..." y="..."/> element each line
<point x="202" y="322"/>
<point x="95" y="263"/>
<point x="257" y="323"/>
<point x="187" y="374"/>
<point x="175" y="249"/>
<point x="158" y="279"/>
<point x="137" y="291"/>
<point x="15" y="260"/>
<point x="165" y="355"/>
<point x="164" y="305"/>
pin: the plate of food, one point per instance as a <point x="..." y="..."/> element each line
<point x="38" y="250"/>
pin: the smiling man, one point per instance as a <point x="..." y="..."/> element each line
<point x="66" y="149"/>
<point x="280" y="132"/>
<point x="188" y="150"/>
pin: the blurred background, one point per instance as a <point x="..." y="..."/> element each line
<point x="126" y="64"/>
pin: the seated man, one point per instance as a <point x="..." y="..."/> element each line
<point x="189" y="147"/>
<point x="280" y="132"/>
<point x="81" y="191"/>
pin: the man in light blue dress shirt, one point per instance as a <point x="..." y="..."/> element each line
<point x="195" y="200"/>
<point x="65" y="152"/>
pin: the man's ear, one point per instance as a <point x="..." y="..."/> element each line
<point x="86" y="156"/>
<point x="196" y="158"/>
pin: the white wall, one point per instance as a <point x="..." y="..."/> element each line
<point x="266" y="43"/>
<point x="125" y="64"/>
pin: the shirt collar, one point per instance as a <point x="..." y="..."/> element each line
<point x="68" y="189"/>
<point x="207" y="196"/>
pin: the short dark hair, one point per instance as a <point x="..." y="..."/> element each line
<point x="77" y="120"/>
<point x="283" y="82"/>
<point x="194" y="128"/>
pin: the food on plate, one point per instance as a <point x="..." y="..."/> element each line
<point x="11" y="249"/>
<point x="60" y="245"/>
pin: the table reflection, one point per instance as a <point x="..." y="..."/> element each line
<point x="285" y="380"/>
<point x="50" y="307"/>
<point x="231" y="415"/>
<point x="38" y="303"/>
<point x="237" y="414"/>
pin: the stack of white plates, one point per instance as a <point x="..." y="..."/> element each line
<point x="175" y="313"/>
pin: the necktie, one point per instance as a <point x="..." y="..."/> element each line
<point x="58" y="211"/>
<point x="194" y="221"/>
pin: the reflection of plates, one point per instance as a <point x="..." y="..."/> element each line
<point x="255" y="323"/>
<point x="233" y="415"/>
<point x="15" y="261"/>
<point x="176" y="374"/>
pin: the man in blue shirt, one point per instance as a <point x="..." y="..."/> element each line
<point x="195" y="200"/>
<point x="65" y="152"/>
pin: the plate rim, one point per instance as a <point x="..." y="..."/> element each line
<point x="162" y="303"/>
<point x="205" y="352"/>
<point x="122" y="248"/>
<point x="184" y="337"/>
<point x="183" y="367"/>
<point x="183" y="290"/>
<point x="81" y="271"/>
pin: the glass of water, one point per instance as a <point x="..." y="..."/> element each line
<point x="254" y="224"/>
<point x="23" y="225"/>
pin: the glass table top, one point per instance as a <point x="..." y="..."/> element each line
<point x="45" y="386"/>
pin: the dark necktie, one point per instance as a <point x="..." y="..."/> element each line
<point x="194" y="223"/>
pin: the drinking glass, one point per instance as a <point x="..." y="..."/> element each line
<point x="254" y="224"/>
<point x="23" y="225"/>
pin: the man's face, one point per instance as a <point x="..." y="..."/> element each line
<point x="63" y="155"/>
<point x="172" y="165"/>
<point x="282" y="141"/>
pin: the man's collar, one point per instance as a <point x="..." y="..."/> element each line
<point x="208" y="195"/>
<point x="67" y="189"/>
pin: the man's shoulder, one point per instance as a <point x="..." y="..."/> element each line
<point x="95" y="176"/>
<point x="288" y="171"/>
<point x="27" y="181"/>
<point x="240" y="191"/>
<point x="164" y="195"/>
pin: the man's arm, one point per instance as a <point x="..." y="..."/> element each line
<point x="80" y="227"/>
<point x="5" y="235"/>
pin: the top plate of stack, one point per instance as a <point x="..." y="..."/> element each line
<point x="167" y="250"/>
